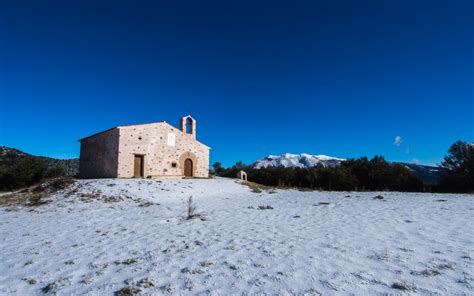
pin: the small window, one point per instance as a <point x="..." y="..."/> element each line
<point x="171" y="139"/>
<point x="174" y="164"/>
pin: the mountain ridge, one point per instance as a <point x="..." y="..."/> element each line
<point x="302" y="160"/>
<point x="71" y="166"/>
<point x="428" y="174"/>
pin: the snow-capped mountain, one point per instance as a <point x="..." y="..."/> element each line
<point x="428" y="174"/>
<point x="297" y="160"/>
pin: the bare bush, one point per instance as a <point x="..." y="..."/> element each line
<point x="192" y="211"/>
<point x="191" y="208"/>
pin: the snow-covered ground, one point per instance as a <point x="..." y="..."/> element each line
<point x="106" y="235"/>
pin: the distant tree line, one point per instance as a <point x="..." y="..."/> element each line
<point x="354" y="174"/>
<point x="363" y="174"/>
<point x="18" y="171"/>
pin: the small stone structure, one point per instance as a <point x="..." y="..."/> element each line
<point x="145" y="151"/>
<point x="242" y="175"/>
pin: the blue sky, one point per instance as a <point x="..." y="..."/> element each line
<point x="341" y="78"/>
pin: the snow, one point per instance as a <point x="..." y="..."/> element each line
<point x="302" y="160"/>
<point x="108" y="234"/>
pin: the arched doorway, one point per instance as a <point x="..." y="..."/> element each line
<point x="188" y="167"/>
<point x="188" y="164"/>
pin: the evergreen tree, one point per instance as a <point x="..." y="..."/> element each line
<point x="218" y="168"/>
<point x="459" y="163"/>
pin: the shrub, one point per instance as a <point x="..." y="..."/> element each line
<point x="22" y="171"/>
<point x="192" y="210"/>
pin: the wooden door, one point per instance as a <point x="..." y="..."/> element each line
<point x="138" y="166"/>
<point x="188" y="168"/>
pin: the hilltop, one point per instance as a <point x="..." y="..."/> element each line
<point x="70" y="166"/>
<point x="19" y="169"/>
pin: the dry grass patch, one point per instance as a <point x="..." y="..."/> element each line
<point x="127" y="291"/>
<point x="13" y="198"/>
<point x="111" y="199"/>
<point x="54" y="185"/>
<point x="128" y="261"/>
<point x="427" y="272"/>
<point x="146" y="204"/>
<point x="404" y="286"/>
<point x="37" y="195"/>
<point x="88" y="197"/>
<point x="258" y="188"/>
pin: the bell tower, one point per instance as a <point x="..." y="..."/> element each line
<point x="188" y="125"/>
